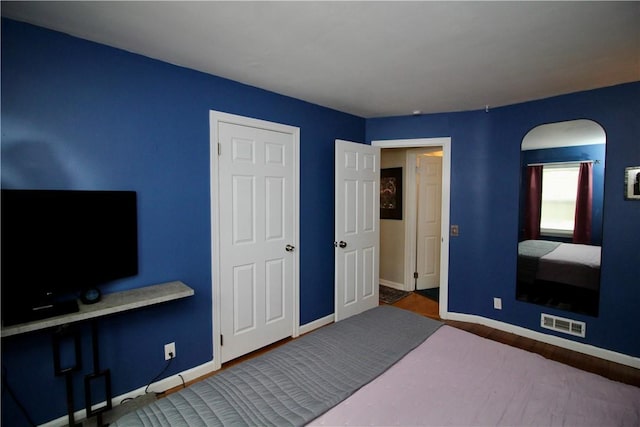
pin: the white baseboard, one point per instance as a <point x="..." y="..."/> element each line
<point x="623" y="359"/>
<point x="390" y="284"/>
<point x="323" y="321"/>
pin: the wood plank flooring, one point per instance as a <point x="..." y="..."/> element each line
<point x="617" y="372"/>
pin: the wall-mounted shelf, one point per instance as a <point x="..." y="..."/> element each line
<point x="109" y="304"/>
<point x="116" y="302"/>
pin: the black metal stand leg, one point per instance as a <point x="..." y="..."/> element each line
<point x="105" y="376"/>
<point x="60" y="335"/>
<point x="97" y="374"/>
<point x="69" y="380"/>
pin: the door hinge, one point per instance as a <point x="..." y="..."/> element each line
<point x="415" y="275"/>
<point x="221" y="340"/>
<point x="219" y="149"/>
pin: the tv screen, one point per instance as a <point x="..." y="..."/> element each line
<point x="58" y="243"/>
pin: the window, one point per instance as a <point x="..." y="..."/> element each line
<point x="559" y="191"/>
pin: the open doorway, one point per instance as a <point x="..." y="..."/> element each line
<point x="407" y="247"/>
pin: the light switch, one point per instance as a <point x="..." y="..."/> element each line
<point x="455" y="230"/>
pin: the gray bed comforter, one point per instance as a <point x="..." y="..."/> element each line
<point x="296" y="382"/>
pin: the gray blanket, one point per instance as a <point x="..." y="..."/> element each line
<point x="296" y="382"/>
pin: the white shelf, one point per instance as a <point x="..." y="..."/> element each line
<point x="109" y="304"/>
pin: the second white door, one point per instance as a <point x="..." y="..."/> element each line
<point x="429" y="179"/>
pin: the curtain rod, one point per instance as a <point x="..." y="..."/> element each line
<point x="597" y="162"/>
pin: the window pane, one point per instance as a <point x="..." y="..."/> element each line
<point x="559" y="188"/>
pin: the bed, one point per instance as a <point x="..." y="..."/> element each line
<point x="572" y="264"/>
<point x="565" y="276"/>
<point x="388" y="366"/>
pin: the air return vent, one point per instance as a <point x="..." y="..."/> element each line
<point x="561" y="324"/>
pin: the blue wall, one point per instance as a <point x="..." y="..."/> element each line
<point x="569" y="154"/>
<point x="485" y="177"/>
<point x="79" y="115"/>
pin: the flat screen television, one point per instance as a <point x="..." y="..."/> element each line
<point x="57" y="244"/>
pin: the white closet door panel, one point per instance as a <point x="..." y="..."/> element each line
<point x="256" y="210"/>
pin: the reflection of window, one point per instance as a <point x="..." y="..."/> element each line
<point x="559" y="190"/>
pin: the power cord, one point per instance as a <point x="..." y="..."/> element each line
<point x="146" y="390"/>
<point x="160" y="374"/>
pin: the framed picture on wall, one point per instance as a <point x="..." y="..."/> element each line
<point x="391" y="193"/>
<point x="632" y="183"/>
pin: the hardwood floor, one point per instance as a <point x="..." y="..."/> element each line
<point x="420" y="305"/>
<point x="622" y="373"/>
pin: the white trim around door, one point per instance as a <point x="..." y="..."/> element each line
<point x="445" y="143"/>
<point x="215" y="119"/>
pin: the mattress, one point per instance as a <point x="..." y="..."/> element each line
<point x="456" y="378"/>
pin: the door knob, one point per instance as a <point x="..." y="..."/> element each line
<point x="289" y="248"/>
<point x="342" y="244"/>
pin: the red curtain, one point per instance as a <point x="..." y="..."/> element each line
<point x="584" y="201"/>
<point x="533" y="204"/>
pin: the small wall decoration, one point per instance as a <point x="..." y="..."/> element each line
<point x="632" y="183"/>
<point x="391" y="193"/>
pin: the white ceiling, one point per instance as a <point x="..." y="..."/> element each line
<point x="373" y="59"/>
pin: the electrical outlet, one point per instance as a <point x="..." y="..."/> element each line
<point x="497" y="303"/>
<point x="170" y="351"/>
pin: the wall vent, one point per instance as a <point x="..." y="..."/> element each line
<point x="560" y="324"/>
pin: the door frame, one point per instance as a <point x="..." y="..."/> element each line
<point x="215" y="118"/>
<point x="410" y="220"/>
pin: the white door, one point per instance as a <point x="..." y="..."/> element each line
<point x="429" y="178"/>
<point x="257" y="225"/>
<point x="357" y="231"/>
